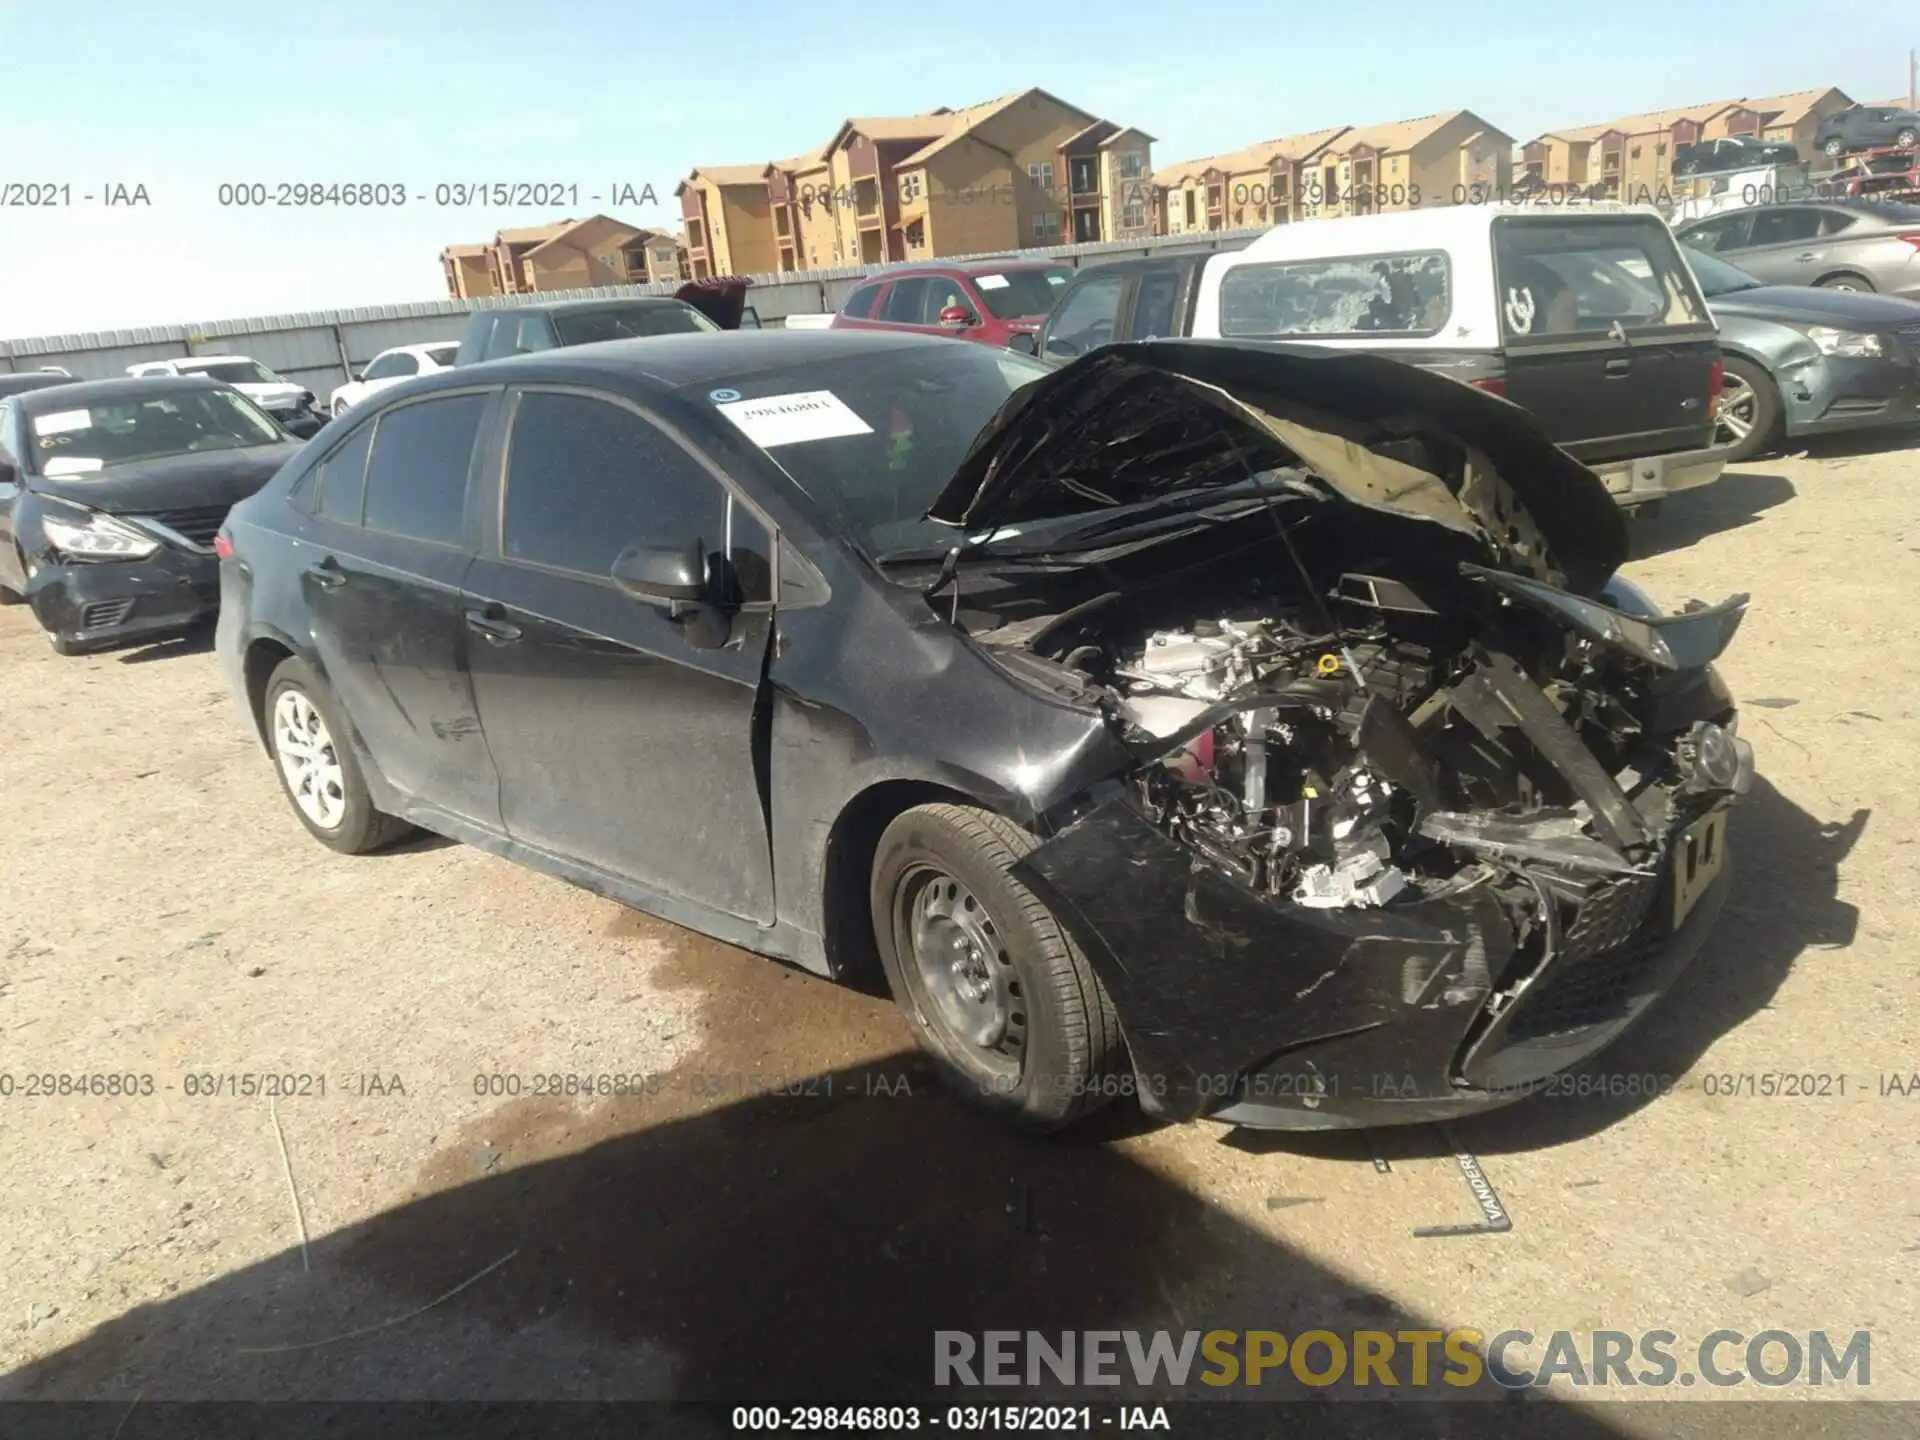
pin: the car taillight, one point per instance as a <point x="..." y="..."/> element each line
<point x="1716" y="377"/>
<point x="1492" y="384"/>
<point x="1913" y="240"/>
<point x="223" y="544"/>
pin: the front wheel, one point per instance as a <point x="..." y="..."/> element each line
<point x="1858" y="284"/>
<point x="994" y="988"/>
<point x="1835" y="147"/>
<point x="1907" y="139"/>
<point x="317" y="767"/>
<point x="1748" y="415"/>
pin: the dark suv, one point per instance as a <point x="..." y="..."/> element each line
<point x="1866" y="126"/>
<point x="990" y="301"/>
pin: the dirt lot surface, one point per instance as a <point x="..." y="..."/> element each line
<point x="163" y="915"/>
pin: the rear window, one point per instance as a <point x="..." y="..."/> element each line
<point x="1410" y="293"/>
<point x="587" y="327"/>
<point x="1570" y="278"/>
<point x="859" y="305"/>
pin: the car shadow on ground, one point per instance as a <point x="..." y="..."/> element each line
<point x="1866" y="442"/>
<point x="1738" y="497"/>
<point x="779" y="1246"/>
<point x="1784" y="910"/>
<point x="197" y="641"/>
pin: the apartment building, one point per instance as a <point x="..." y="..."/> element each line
<point x="1454" y="157"/>
<point x="728" y="213"/>
<point x="1631" y="158"/>
<point x="469" y="271"/>
<point x="803" y="229"/>
<point x="569" y="254"/>
<point x="1255" y="186"/>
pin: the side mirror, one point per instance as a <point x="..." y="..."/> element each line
<point x="677" y="575"/>
<point x="958" y="317"/>
<point x="1024" y="341"/>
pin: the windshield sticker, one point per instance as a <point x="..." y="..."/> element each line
<point x="788" y="419"/>
<point x="1056" y="279"/>
<point x="71" y="465"/>
<point x="59" y="422"/>
<point x="991" y="282"/>
<point x="720" y="397"/>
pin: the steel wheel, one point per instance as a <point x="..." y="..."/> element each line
<point x="965" y="967"/>
<point x="308" y="760"/>
<point x="1737" y="412"/>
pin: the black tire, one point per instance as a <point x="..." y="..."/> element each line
<point x="1071" y="1057"/>
<point x="361" y="828"/>
<point x="1907" y="139"/>
<point x="1835" y="148"/>
<point x="1767" y="418"/>
<point x="1846" y="281"/>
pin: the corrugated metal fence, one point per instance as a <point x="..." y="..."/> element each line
<point x="317" y="349"/>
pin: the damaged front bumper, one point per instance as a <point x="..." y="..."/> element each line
<point x="1249" y="1010"/>
<point x="1563" y="926"/>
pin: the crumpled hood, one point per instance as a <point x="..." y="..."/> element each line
<point x="1132" y="422"/>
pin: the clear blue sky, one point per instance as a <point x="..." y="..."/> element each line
<point x="182" y="96"/>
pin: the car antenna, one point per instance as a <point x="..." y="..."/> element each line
<point x="1299" y="565"/>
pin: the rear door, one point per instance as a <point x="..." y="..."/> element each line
<point x="390" y="544"/>
<point x="1784" y="247"/>
<point x="905" y="305"/>
<point x="856" y="311"/>
<point x="1607" y="337"/>
<point x="619" y="742"/>
<point x="1156" y="301"/>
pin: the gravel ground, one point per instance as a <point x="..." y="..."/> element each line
<point x="162" y="915"/>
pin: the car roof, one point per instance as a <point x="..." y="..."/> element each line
<point x="20" y="383"/>
<point x="1894" y="212"/>
<point x="1428" y="228"/>
<point x="81" y="393"/>
<point x="195" y="362"/>
<point x="676" y="361"/>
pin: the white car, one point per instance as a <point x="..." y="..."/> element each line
<point x="389" y="368"/>
<point x="287" y="402"/>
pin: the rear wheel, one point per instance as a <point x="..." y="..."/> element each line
<point x="1907" y="139"/>
<point x="993" y="987"/>
<point x="1747" y="416"/>
<point x="1844" y="282"/>
<point x="1835" y="147"/>
<point x="317" y="767"/>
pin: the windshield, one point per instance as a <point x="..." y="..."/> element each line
<point x="587" y="327"/>
<point x="99" y="437"/>
<point x="236" y="372"/>
<point x="1716" y="276"/>
<point x="1018" y="294"/>
<point x="875" y="437"/>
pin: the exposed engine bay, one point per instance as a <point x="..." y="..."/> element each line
<point x="1377" y="738"/>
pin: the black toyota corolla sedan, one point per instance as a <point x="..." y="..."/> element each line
<point x="110" y="494"/>
<point x="1260" y="732"/>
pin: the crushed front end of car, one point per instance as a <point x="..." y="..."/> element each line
<point x="1427" y="804"/>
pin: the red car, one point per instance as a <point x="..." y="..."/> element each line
<point x="990" y="301"/>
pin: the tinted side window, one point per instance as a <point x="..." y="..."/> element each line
<point x="500" y="338"/>
<point x="1155" y="299"/>
<point x="417" y="478"/>
<point x="1784" y="227"/>
<point x="343" y="479"/>
<point x="391" y="367"/>
<point x="588" y="479"/>
<point x="859" y="305"/>
<point x="906" y="303"/>
<point x="1832" y="222"/>
<point x="1726" y="233"/>
<point x="533" y="335"/>
<point x="1086" y="317"/>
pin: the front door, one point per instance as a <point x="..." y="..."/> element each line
<point x="387" y="550"/>
<point x="620" y="743"/>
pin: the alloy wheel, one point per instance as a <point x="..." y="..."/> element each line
<point x="968" y="976"/>
<point x="307" y="758"/>
<point x="1737" y="411"/>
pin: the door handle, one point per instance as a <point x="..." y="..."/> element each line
<point x="327" y="574"/>
<point x="497" y="632"/>
<point x="1804" y="256"/>
<point x="1617" y="368"/>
